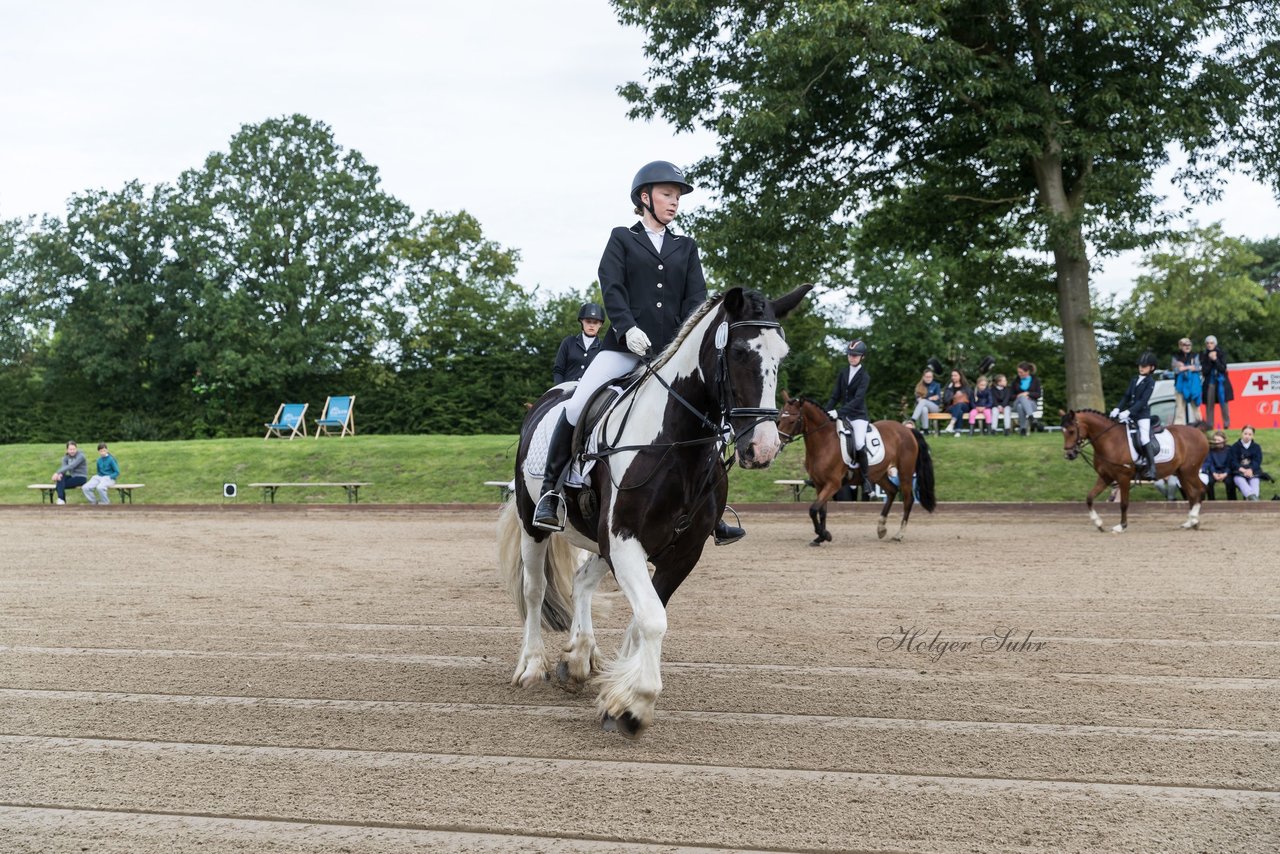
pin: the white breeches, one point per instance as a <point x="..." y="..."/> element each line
<point x="608" y="365"/>
<point x="1144" y="430"/>
<point x="859" y="427"/>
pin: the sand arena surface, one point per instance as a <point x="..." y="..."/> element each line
<point x="338" y="681"/>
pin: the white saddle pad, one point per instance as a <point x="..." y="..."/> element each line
<point x="535" y="462"/>
<point x="875" y="445"/>
<point x="1165" y="438"/>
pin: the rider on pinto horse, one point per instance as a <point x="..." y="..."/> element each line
<point x="1133" y="407"/>
<point x="651" y="279"/>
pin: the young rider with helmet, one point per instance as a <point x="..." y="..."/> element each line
<point x="651" y="279"/>
<point x="849" y="400"/>
<point x="1134" y="406"/>
<point x="578" y="351"/>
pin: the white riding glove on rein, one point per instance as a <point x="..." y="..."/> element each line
<point x="1114" y="413"/>
<point x="1124" y="417"/>
<point x="637" y="341"/>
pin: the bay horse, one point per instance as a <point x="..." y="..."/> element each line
<point x="657" y="483"/>
<point x="1114" y="463"/>
<point x="905" y="450"/>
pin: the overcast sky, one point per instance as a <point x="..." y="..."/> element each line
<point x="504" y="108"/>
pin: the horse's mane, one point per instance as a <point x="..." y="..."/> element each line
<point x="804" y="398"/>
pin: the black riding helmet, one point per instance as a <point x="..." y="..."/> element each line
<point x="591" y="311"/>
<point x="856" y="348"/>
<point x="657" y="172"/>
<point x="1148" y="359"/>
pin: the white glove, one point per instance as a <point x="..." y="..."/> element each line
<point x="1114" y="413"/>
<point x="833" y="413"/>
<point x="637" y="341"/>
<point x="1124" y="417"/>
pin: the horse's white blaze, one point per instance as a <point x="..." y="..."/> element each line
<point x="771" y="347"/>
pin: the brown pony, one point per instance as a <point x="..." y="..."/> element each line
<point x="904" y="450"/>
<point x="1114" y="464"/>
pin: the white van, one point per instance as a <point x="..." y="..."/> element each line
<point x="1163" y="400"/>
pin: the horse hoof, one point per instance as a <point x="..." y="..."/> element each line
<point x="816" y="542"/>
<point x="627" y="724"/>
<point x="880" y="532"/>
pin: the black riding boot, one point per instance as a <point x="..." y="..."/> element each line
<point x="1149" y="459"/>
<point x="726" y="533"/>
<point x="546" y="515"/>
<point x="861" y="458"/>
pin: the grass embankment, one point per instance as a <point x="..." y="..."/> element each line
<point x="448" y="469"/>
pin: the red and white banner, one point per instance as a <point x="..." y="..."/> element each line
<point x="1257" y="388"/>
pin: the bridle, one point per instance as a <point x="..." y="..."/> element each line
<point x="1077" y="448"/>
<point x="788" y="438"/>
<point x="724" y="382"/>
<point x="723" y="433"/>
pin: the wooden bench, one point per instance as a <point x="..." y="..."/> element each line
<point x="504" y="487"/>
<point x="796" y="487"/>
<point x="352" y="488"/>
<point x="48" y="491"/>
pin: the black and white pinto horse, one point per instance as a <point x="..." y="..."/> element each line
<point x="656" y="486"/>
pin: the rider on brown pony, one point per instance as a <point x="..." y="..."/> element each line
<point x="1134" y="407"/>
<point x="849" y="401"/>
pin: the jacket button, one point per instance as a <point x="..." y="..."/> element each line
<point x="659" y="284"/>
<point x="659" y="305"/>
<point x="660" y="267"/>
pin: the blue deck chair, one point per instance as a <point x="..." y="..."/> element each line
<point x="337" y="415"/>
<point x="291" y="417"/>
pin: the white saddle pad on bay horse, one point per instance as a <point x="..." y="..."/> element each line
<point x="1165" y="440"/>
<point x="875" y="445"/>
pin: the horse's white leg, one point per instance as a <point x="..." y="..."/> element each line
<point x="532" y="666"/>
<point x="581" y="656"/>
<point x="630" y="685"/>
<point x="1193" y="518"/>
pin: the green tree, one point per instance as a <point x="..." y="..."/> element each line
<point x="281" y="247"/>
<point x="1198" y="285"/>
<point x="958" y="124"/>
<point x="468" y="335"/>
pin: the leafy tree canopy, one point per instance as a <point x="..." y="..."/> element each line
<point x="954" y="126"/>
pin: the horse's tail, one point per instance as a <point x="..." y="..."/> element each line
<point x="924" y="473"/>
<point x="558" y="566"/>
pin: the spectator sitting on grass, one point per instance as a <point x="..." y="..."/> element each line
<point x="1246" y="465"/>
<point x="1217" y="467"/>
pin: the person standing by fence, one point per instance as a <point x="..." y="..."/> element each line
<point x="1217" y="383"/>
<point x="1187" y="383"/>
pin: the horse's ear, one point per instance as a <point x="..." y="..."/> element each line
<point x="734" y="301"/>
<point x="783" y="305"/>
<point x="1062" y="413"/>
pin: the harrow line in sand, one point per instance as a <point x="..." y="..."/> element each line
<point x="476" y="661"/>
<point x="574" y="712"/>
<point x="466" y="838"/>
<point x="493" y="763"/>
<point x="666" y="766"/>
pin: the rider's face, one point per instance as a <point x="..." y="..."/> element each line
<point x="591" y="327"/>
<point x="665" y="200"/>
